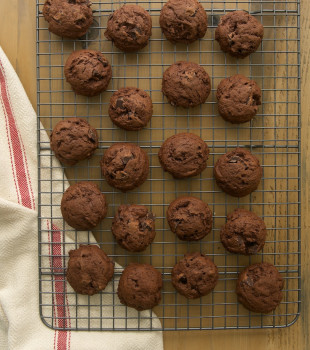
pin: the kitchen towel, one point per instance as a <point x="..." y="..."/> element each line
<point x="20" y="324"/>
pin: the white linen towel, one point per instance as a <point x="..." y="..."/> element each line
<point x="20" y="323"/>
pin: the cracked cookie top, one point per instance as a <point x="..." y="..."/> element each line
<point x="125" y="166"/>
<point x="88" y="72"/>
<point x="83" y="205"/>
<point x="189" y="218"/>
<point x="73" y="140"/>
<point x="129" y="27"/>
<point x="133" y="227"/>
<point x="239" y="34"/>
<point x="259" y="287"/>
<point x="89" y="269"/>
<point x="238" y="99"/>
<point x="244" y="232"/>
<point x="194" y="276"/>
<point x="140" y="286"/>
<point x="183" y="21"/>
<point x="68" y="18"/>
<point x="184" y="155"/>
<point x="186" y="84"/>
<point x="238" y="173"/>
<point x="130" y="108"/>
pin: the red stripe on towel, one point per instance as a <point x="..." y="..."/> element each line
<point x="63" y="337"/>
<point x="17" y="153"/>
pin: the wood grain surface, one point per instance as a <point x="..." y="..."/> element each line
<point x="17" y="38"/>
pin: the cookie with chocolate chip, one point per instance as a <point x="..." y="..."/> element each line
<point x="83" y="205"/>
<point x="238" y="173"/>
<point x="125" y="166"/>
<point x="186" y="84"/>
<point x="195" y="275"/>
<point x="183" y="21"/>
<point x="239" y="34"/>
<point x="259" y="287"/>
<point x="73" y="140"/>
<point x="244" y="232"/>
<point x="238" y="99"/>
<point x="89" y="269"/>
<point x="189" y="218"/>
<point x="88" y="72"/>
<point x="183" y="155"/>
<point x="140" y="286"/>
<point x="133" y="227"/>
<point x="130" y="108"/>
<point x="129" y="27"/>
<point x="68" y="18"/>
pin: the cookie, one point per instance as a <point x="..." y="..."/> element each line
<point x="186" y="84"/>
<point x="184" y="155"/>
<point x="140" y="286"/>
<point x="238" y="99"/>
<point x="130" y="108"/>
<point x="73" y="140"/>
<point x="129" y="27"/>
<point x="239" y="34"/>
<point x="238" y="173"/>
<point x="133" y="227"/>
<point x="69" y="19"/>
<point x="89" y="269"/>
<point x="83" y="205"/>
<point x="189" y="218"/>
<point x="244" y="232"/>
<point x="259" y="287"/>
<point x="88" y="72"/>
<point x="183" y="21"/>
<point x="194" y="276"/>
<point x="125" y="166"/>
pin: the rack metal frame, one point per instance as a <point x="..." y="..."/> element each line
<point x="273" y="136"/>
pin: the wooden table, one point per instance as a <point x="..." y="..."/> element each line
<point x="17" y="38"/>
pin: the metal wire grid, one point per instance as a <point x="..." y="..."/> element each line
<point x="274" y="136"/>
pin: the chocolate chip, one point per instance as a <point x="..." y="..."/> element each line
<point x="80" y="21"/>
<point x="183" y="279"/>
<point x="133" y="34"/>
<point x="120" y="103"/>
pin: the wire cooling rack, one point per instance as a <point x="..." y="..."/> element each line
<point x="273" y="136"/>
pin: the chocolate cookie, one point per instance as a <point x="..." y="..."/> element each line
<point x="130" y="108"/>
<point x="238" y="99"/>
<point x="68" y="18"/>
<point x="129" y="27"/>
<point x="83" y="205"/>
<point x="259" y="287"/>
<point x="184" y="155"/>
<point x="140" y="286"/>
<point x="194" y="276"/>
<point x="186" y="84"/>
<point x="73" y="139"/>
<point x="244" y="232"/>
<point x="125" y="166"/>
<point x="239" y="34"/>
<point x="238" y="173"/>
<point x="89" y="269"/>
<point x="88" y="72"/>
<point x="133" y="227"/>
<point x="189" y="218"/>
<point x="183" y="21"/>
